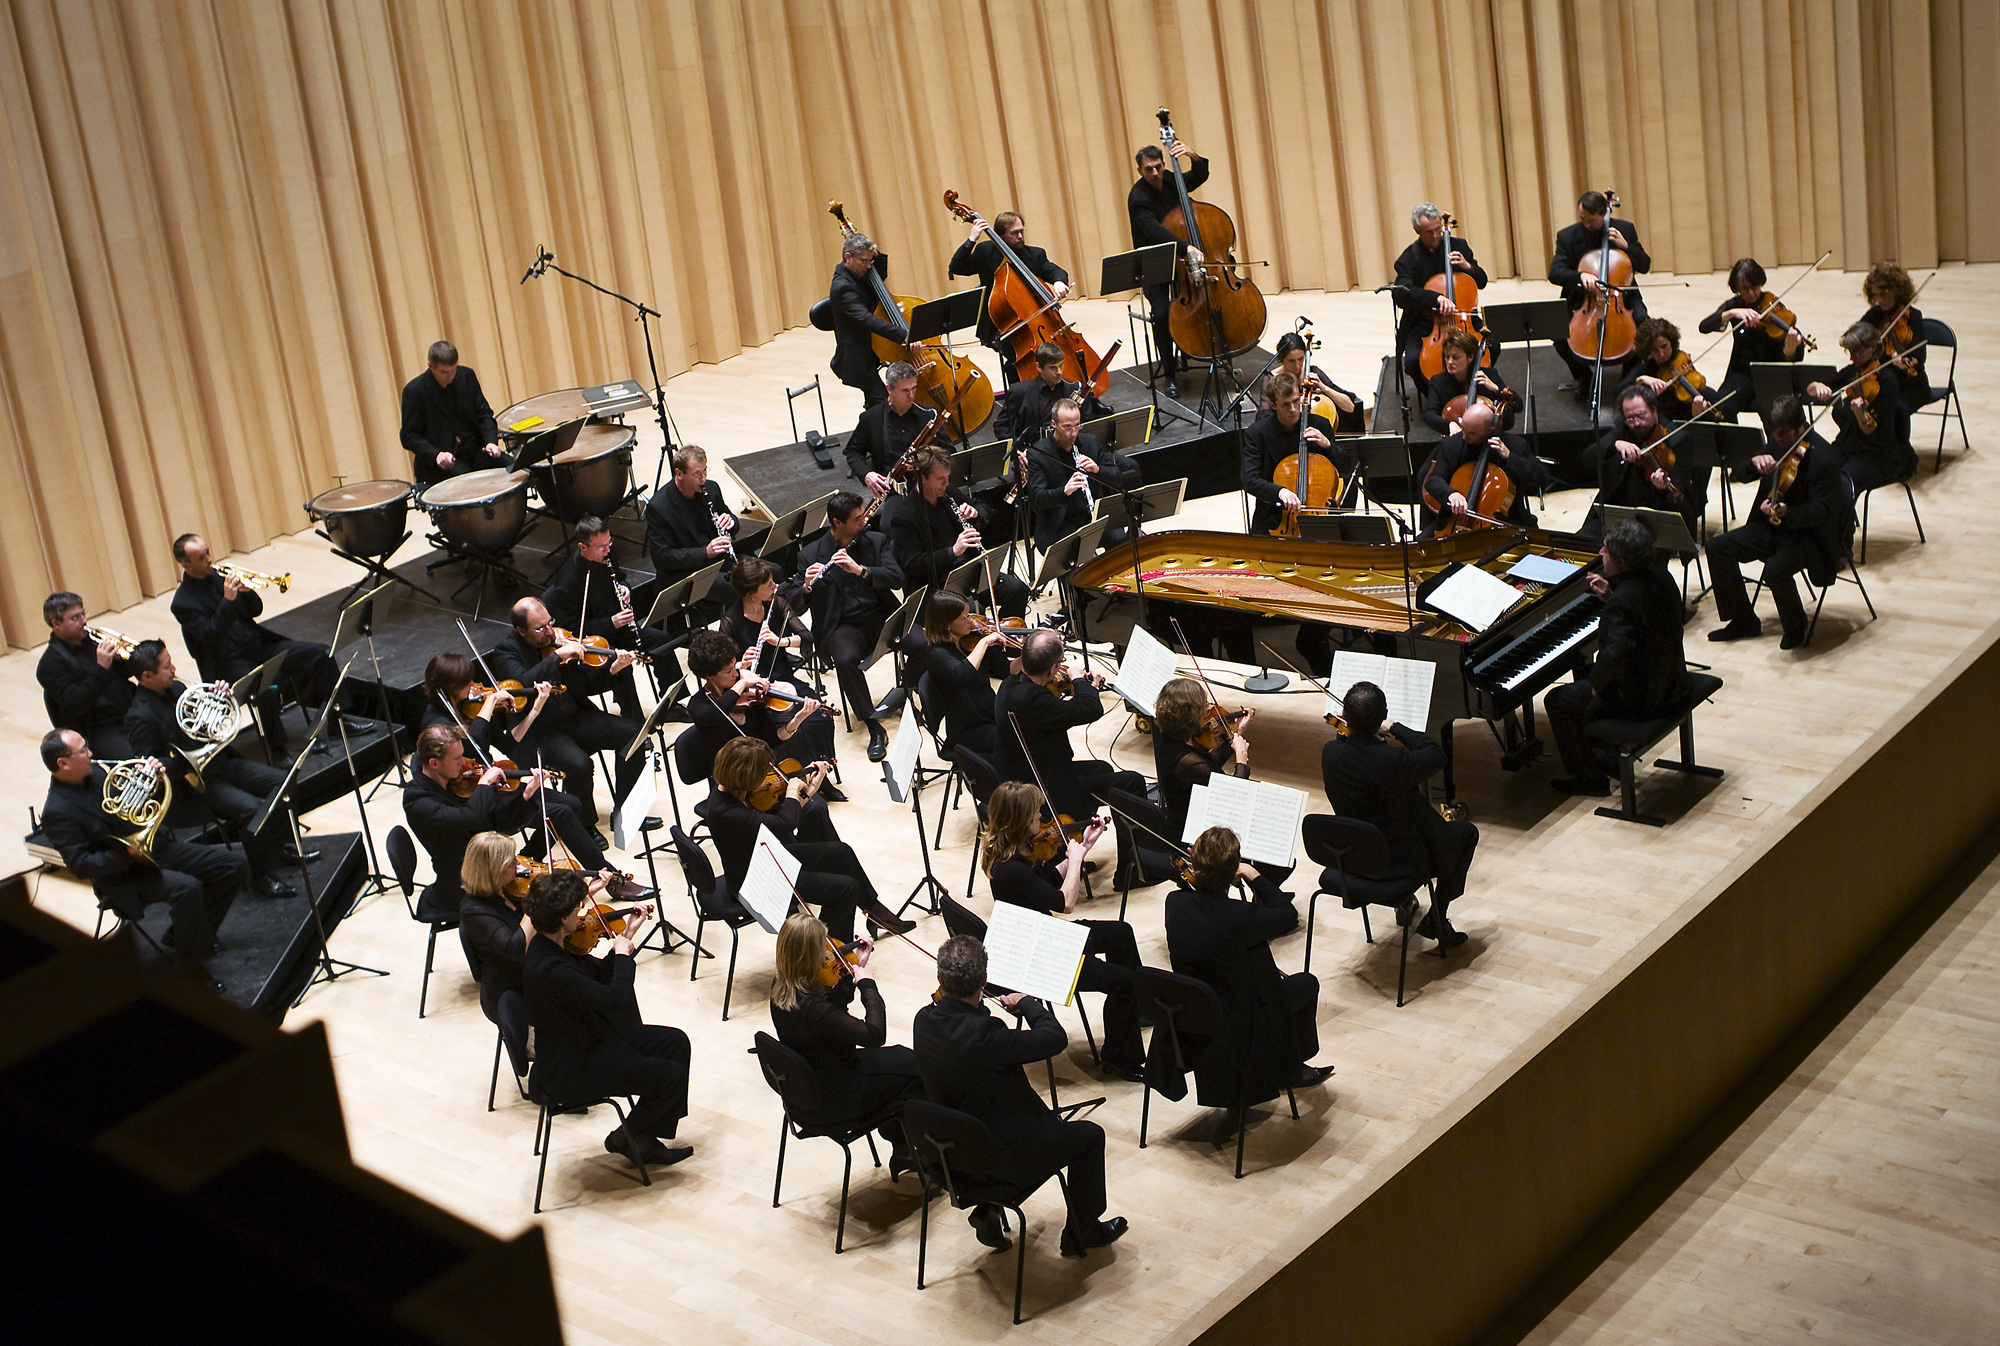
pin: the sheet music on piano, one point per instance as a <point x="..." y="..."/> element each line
<point x="1263" y="815"/>
<point x="1469" y="595"/>
<point x="1406" y="683"/>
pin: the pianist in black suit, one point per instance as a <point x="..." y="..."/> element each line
<point x="1376" y="773"/>
<point x="1640" y="666"/>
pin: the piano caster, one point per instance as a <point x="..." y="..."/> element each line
<point x="1522" y="755"/>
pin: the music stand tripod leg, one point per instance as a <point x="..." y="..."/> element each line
<point x="929" y="887"/>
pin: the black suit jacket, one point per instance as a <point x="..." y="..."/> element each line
<point x="921" y="536"/>
<point x="820" y="1028"/>
<point x="1640" y="665"/>
<point x="837" y="595"/>
<point x="1226" y="944"/>
<point x="855" y="322"/>
<point x="1571" y="245"/>
<point x="1888" y="443"/>
<point x="79" y="693"/>
<point x="1418" y="264"/>
<point x="577" y="1003"/>
<point x="1028" y="405"/>
<point x="1818" y="509"/>
<point x="444" y="823"/>
<point x="1266" y="444"/>
<point x="678" y="531"/>
<point x="220" y="633"/>
<point x="1623" y="483"/>
<point x="1057" y="515"/>
<point x="576" y="681"/>
<point x="1377" y="783"/>
<point x="983" y="259"/>
<point x="1527" y="471"/>
<point x="1147" y="207"/>
<point x="74" y="820"/>
<point x="880" y="438"/>
<point x="565" y="598"/>
<point x="1045" y="721"/>
<point x="971" y="1059"/>
<point x="454" y="420"/>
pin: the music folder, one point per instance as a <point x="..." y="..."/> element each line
<point x="949" y="314"/>
<point x="608" y="399"/>
<point x="789" y="527"/>
<point x="1669" y="529"/>
<point x="1161" y="500"/>
<point x="682" y="594"/>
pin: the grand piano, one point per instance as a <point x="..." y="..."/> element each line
<point x="1236" y="591"/>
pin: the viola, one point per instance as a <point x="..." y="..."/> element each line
<point x="467" y="779"/>
<point x="1216" y="313"/>
<point x="1868" y="388"/>
<point x="1656" y="453"/>
<point x="769" y="792"/>
<point x="1217" y="725"/>
<point x="597" y="651"/>
<point x="1029" y="315"/>
<point x="1780" y="322"/>
<point x="1463" y="291"/>
<point x="474" y="699"/>
<point x="1011" y="629"/>
<point x="1603" y="327"/>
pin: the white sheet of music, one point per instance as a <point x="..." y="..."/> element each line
<point x="1035" y="953"/>
<point x="769" y="885"/>
<point x="902" y="762"/>
<point x="1405" y="683"/>
<point x="1474" y="597"/>
<point x="1145" y="669"/>
<point x="1263" y="815"/>
<point x="1197" y="814"/>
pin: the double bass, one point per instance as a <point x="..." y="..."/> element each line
<point x="951" y="383"/>
<point x="1603" y="329"/>
<point x="1029" y="315"/>
<point x="1463" y="291"/>
<point x="1217" y="313"/>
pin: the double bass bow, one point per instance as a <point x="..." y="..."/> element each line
<point x="1216" y="313"/>
<point x="1029" y="314"/>
<point x="950" y="383"/>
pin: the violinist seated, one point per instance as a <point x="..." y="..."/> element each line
<point x="1275" y="436"/>
<point x="980" y="256"/>
<point x="966" y="653"/>
<point x="1507" y="454"/>
<point x="855" y="321"/>
<point x="1680" y="397"/>
<point x="1802" y="525"/>
<point x="1033" y="722"/>
<point x="1888" y="289"/>
<point x="1270" y="1020"/>
<point x="682" y="534"/>
<point x="852" y="577"/>
<point x="857" y="1070"/>
<point x="590" y="1041"/>
<point x="86" y="684"/>
<point x="1757" y="340"/>
<point x="749" y="796"/>
<point x="932" y="534"/>
<point x="786" y="643"/>
<point x="1348" y="414"/>
<point x="1585" y="238"/>
<point x="887" y="429"/>
<point x="1874" y="439"/>
<point x="732" y="702"/>
<point x="1069" y="472"/>
<point x="1192" y="742"/>
<point x="589" y="595"/>
<point x="1461" y="359"/>
<point x="1022" y="877"/>
<point x="234" y="786"/>
<point x="1028" y="406"/>
<point x="1633" y="471"/>
<point x="197" y="882"/>
<point x="1376" y="772"/>
<point x="570" y="728"/>
<point x="445" y="820"/>
<point x="972" y="1061"/>
<point x="1149" y="201"/>
<point x="1640" y="667"/>
<point x="1422" y="261"/>
<point x="447" y="424"/>
<point x="492" y="928"/>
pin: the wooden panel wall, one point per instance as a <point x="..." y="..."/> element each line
<point x="229" y="228"/>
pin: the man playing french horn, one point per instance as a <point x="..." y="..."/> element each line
<point x="106" y="823"/>
<point x="189" y="729"/>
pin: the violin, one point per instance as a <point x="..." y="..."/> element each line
<point x="1062" y="684"/>
<point x="984" y="626"/>
<point x="475" y="696"/>
<point x="1218" y="312"/>
<point x="1656" y="453"/>
<point x="467" y="779"/>
<point x="597" y="651"/>
<point x="603" y="921"/>
<point x="1603" y="327"/>
<point x="1780" y="322"/>
<point x="1868" y="388"/>
<point x="769" y="792"/>
<point x="1459" y="287"/>
<point x="835" y="962"/>
<point x="1029" y="315"/>
<point x="1217" y="725"/>
<point x="1052" y="838"/>
<point x="1683" y="380"/>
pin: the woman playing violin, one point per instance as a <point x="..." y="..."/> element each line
<point x="1461" y="355"/>
<point x="748" y="797"/>
<point x="1193" y="739"/>
<point x="492" y="715"/>
<point x="786" y="642"/>
<point x="1681" y="393"/>
<point x="858" y="1072"/>
<point x="962" y="673"/>
<point x="1866" y="396"/>
<point x="1888" y="289"/>
<point x="491" y="925"/>
<point x="1014" y="820"/>
<point x="731" y="702"/>
<point x="1759" y="340"/>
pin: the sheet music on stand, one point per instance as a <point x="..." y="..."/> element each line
<point x="1035" y="954"/>
<point x="1066" y="554"/>
<point x="1122" y="429"/>
<point x="1405" y="683"/>
<point x="903" y="752"/>
<point x="770" y="883"/>
<point x="1145" y="669"/>
<point x="1264" y="816"/>
<point x="683" y="593"/>
<point x="793" y="525"/>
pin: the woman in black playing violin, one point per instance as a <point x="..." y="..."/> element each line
<point x="1866" y="397"/>
<point x="1658" y="342"/>
<point x="731" y="702"/>
<point x="1180" y="762"/>
<point x="1756" y="342"/>
<point x="961" y="677"/>
<point x="1014" y="817"/>
<point x="1889" y="290"/>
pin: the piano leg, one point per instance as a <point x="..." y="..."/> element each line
<point x="1519" y="748"/>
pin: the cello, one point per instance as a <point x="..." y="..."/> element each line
<point x="1459" y="287"/>
<point x="956" y="387"/>
<point x="1602" y="329"/>
<point x="1218" y="313"/>
<point x="1489" y="493"/>
<point x="1028" y="313"/>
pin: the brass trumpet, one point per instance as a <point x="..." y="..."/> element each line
<point x="256" y="579"/>
<point x="97" y="635"/>
<point x="137" y="791"/>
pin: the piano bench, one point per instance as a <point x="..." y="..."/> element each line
<point x="1635" y="738"/>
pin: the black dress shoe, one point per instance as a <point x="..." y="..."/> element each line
<point x="355" y="727"/>
<point x="1792" y="640"/>
<point x="1441" y="931"/>
<point x="894" y="925"/>
<point x="985" y="1221"/>
<point x="878" y="741"/>
<point x="1133" y="1074"/>
<point x="1102" y="1234"/>
<point x="677" y="714"/>
<point x="270" y="885"/>
<point x="291" y="852"/>
<point x="899" y="1164"/>
<point x="832" y="793"/>
<point x="1743" y="628"/>
<point x="1311" y="1075"/>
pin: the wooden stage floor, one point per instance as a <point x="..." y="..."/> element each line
<point x="1557" y="897"/>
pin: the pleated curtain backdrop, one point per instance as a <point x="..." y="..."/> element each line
<point x="229" y="228"/>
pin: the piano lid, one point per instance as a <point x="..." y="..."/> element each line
<point x="1337" y="583"/>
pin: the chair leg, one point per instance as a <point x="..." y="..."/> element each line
<point x="1312" y="923"/>
<point x="493" y="1085"/>
<point x="1145" y="1111"/>
<point x="1294" y="1098"/>
<point x="1366" y="932"/>
<point x="923" y="1223"/>
<point x="544" y="1121"/>
<point x="430" y="951"/>
<point x="1020" y="1262"/>
<point x="694" y="963"/>
<point x="784" y="1130"/>
<point x="972" y="870"/>
<point x="1867" y="498"/>
<point x="729" y="978"/>
<point x="1403" y="965"/>
<point x="1242" y="1125"/>
<point x="846" y="1173"/>
<point x="1915" y="518"/>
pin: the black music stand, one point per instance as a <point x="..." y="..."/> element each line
<point x="898" y="626"/>
<point x="1135" y="270"/>
<point x="936" y="317"/>
<point x="1347" y="526"/>
<point x="1773" y="379"/>
<point x="979" y="463"/>
<point x="1383" y="456"/>
<point x="1733" y="446"/>
<point x="1524" y="324"/>
<point x="1129" y="509"/>
<point x="1134" y="427"/>
<point x="682" y="594"/>
<point x="357" y="622"/>
<point x="1063" y="557"/>
<point x="789" y="529"/>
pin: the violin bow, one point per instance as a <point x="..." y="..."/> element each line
<point x="1188" y="650"/>
<point x="477" y="657"/>
<point x="1047" y="803"/>
<point x="472" y="742"/>
<point x="1734" y="328"/>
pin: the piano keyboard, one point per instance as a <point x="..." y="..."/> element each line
<point x="1535" y="658"/>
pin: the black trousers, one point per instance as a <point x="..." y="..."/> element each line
<point x="237" y="789"/>
<point x="848" y="647"/>
<point x="1448" y="846"/>
<point x="1867" y="468"/>
<point x="1782" y="560"/>
<point x="1111" y="972"/>
<point x="1159" y="303"/>
<point x="1302" y="999"/>
<point x="1078" y="790"/>
<point x="567" y="747"/>
<point x="651" y="1062"/>
<point x="1075" y="1146"/>
<point x="1413" y="368"/>
<point x="1570" y="707"/>
<point x="869" y="386"/>
<point x="566" y="821"/>
<point x="831" y="878"/>
<point x="197" y="883"/>
<point x="308" y="672"/>
<point x="1739" y="382"/>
